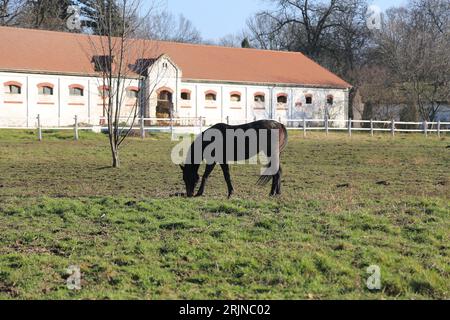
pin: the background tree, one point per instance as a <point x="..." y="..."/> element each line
<point x="10" y="11"/>
<point x="44" y="14"/>
<point x="163" y="25"/>
<point x="414" y="46"/>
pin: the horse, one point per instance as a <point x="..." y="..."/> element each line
<point x="264" y="132"/>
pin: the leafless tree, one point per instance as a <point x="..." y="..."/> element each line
<point x="43" y="14"/>
<point x="414" y="46"/>
<point x="10" y="11"/>
<point x="163" y="25"/>
<point x="120" y="59"/>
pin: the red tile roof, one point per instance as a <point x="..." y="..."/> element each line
<point x="70" y="53"/>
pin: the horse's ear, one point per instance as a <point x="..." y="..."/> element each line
<point x="182" y="167"/>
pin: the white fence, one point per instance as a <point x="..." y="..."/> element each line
<point x="197" y="125"/>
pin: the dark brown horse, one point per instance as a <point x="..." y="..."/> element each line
<point x="266" y="136"/>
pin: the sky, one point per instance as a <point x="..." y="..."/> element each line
<point x="218" y="18"/>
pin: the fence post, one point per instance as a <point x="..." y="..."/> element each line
<point x="371" y="127"/>
<point x="171" y="125"/>
<point x="39" y="127"/>
<point x="425" y="128"/>
<point x="326" y="124"/>
<point x="393" y="127"/>
<point x="76" y="128"/>
<point x="142" y="128"/>
<point x="201" y="124"/>
<point x="439" y="128"/>
<point x="228" y="119"/>
<point x="304" y="127"/>
<point x="349" y="127"/>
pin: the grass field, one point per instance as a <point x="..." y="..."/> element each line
<point x="347" y="204"/>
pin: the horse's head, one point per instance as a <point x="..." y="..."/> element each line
<point x="190" y="178"/>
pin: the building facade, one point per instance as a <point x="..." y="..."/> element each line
<point x="58" y="82"/>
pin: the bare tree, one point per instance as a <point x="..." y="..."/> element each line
<point x="164" y="25"/>
<point x="121" y="59"/>
<point x="10" y="11"/>
<point x="414" y="46"/>
<point x="44" y="14"/>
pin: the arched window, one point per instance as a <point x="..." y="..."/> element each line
<point x="76" y="90"/>
<point x="330" y="100"/>
<point x="103" y="91"/>
<point x="210" y="96"/>
<point x="235" y="96"/>
<point x="165" y="96"/>
<point x="13" y="87"/>
<point x="185" y="94"/>
<point x="45" y="89"/>
<point x="260" y="97"/>
<point x="308" y="99"/>
<point x="282" y="98"/>
<point x="132" y="92"/>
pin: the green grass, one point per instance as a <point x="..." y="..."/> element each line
<point x="347" y="204"/>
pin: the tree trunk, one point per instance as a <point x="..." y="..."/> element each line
<point x="115" y="158"/>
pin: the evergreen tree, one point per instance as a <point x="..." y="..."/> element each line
<point x="101" y="17"/>
<point x="245" y="43"/>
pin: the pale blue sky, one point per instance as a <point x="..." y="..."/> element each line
<point x="217" y="18"/>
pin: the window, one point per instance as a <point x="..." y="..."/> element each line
<point x="13" y="89"/>
<point x="185" y="95"/>
<point x="103" y="92"/>
<point x="282" y="98"/>
<point x="76" y="91"/>
<point x="45" y="90"/>
<point x="132" y="94"/>
<point x="260" y="98"/>
<point x="308" y="99"/>
<point x="165" y="96"/>
<point x="210" y="96"/>
<point x="235" y="97"/>
<point x="103" y="63"/>
<point x="330" y="100"/>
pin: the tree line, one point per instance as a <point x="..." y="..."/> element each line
<point x="399" y="68"/>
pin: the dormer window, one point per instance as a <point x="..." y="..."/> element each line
<point x="103" y="63"/>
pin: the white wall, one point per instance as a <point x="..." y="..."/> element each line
<point x="60" y="108"/>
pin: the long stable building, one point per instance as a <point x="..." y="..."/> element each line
<point x="53" y="74"/>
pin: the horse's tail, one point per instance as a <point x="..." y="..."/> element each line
<point x="264" y="179"/>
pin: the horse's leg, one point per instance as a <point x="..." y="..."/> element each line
<point x="226" y="174"/>
<point x="208" y="170"/>
<point x="276" y="183"/>
<point x="280" y="173"/>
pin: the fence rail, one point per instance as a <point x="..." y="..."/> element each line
<point x="198" y="124"/>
